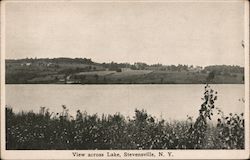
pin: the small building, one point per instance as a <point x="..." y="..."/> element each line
<point x="26" y="64"/>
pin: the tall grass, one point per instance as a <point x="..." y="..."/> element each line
<point x="45" y="130"/>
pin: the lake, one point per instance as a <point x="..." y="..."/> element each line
<point x="166" y="101"/>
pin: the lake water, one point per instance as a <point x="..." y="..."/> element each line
<point x="166" y="101"/>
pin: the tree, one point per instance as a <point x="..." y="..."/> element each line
<point x="210" y="76"/>
<point x="96" y="77"/>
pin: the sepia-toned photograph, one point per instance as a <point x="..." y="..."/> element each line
<point x="125" y="79"/>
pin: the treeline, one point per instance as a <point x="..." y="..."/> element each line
<point x="218" y="69"/>
<point x="51" y="60"/>
<point x="222" y="69"/>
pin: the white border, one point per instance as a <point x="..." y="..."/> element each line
<point x="2" y="78"/>
<point x="177" y="154"/>
<point x="247" y="97"/>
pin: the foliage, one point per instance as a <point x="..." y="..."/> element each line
<point x="231" y="131"/>
<point x="49" y="130"/>
<point x="222" y="69"/>
<point x="197" y="132"/>
<point x="211" y="76"/>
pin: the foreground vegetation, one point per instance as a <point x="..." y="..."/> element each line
<point x="45" y="130"/>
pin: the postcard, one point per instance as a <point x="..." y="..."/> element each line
<point x="125" y="79"/>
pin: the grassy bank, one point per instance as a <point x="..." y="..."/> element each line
<point x="45" y="130"/>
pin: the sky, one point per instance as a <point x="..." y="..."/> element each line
<point x="197" y="33"/>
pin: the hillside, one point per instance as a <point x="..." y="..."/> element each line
<point x="85" y="71"/>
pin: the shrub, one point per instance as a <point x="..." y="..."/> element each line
<point x="45" y="130"/>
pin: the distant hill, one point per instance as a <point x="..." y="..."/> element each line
<point x="85" y="71"/>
